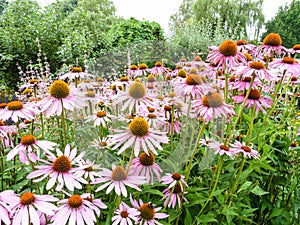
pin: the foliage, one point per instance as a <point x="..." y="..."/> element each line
<point x="241" y="16"/>
<point x="65" y="30"/>
<point x="221" y="189"/>
<point x="3" y="5"/>
<point x="84" y="30"/>
<point x="198" y="36"/>
<point x="183" y="15"/>
<point x="112" y="63"/>
<point x="286" y="23"/>
<point x="17" y="36"/>
<point x="133" y="30"/>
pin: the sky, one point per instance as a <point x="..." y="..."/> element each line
<point x="161" y="10"/>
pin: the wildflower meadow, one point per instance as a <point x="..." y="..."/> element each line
<point x="212" y="141"/>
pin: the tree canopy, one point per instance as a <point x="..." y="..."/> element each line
<point x="239" y="16"/>
<point x="286" y="23"/>
<point x="65" y="32"/>
<point x="133" y="30"/>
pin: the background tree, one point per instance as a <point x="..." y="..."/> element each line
<point x="286" y="23"/>
<point x="133" y="30"/>
<point x="19" y="28"/>
<point x="3" y="4"/>
<point x="184" y="14"/>
<point x="200" y="23"/>
<point x="84" y="30"/>
<point x="239" y="15"/>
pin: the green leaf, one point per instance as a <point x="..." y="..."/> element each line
<point x="206" y="218"/>
<point x="245" y="186"/>
<point x="246" y="118"/>
<point x="258" y="191"/>
<point x="264" y="165"/>
<point x="153" y="191"/>
<point x="188" y="219"/>
<point x="276" y="212"/>
<point x="217" y="192"/>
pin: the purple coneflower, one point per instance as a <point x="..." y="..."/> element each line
<point x="101" y="118"/>
<point x="247" y="151"/>
<point x="211" y="106"/>
<point x="89" y="170"/>
<point x="133" y="71"/>
<point x="60" y="96"/>
<point x="221" y="149"/>
<point x="125" y="215"/>
<point x="118" y="179"/>
<point x="28" y="208"/>
<point x="60" y="168"/>
<point x="191" y="86"/>
<point x="76" y="73"/>
<point x="295" y="49"/>
<point x="174" y="196"/>
<point x="173" y="179"/>
<point x="26" y="148"/>
<point x="168" y="125"/>
<point x="255" y="99"/>
<point x="293" y="80"/>
<point x="16" y="111"/>
<point x="257" y="68"/>
<point x="206" y="141"/>
<point x="145" y="166"/>
<point x="158" y="69"/>
<point x="287" y="64"/>
<point x="244" y="46"/>
<point x="226" y="55"/>
<point x="135" y="98"/>
<point x="77" y="209"/>
<point x="272" y="44"/>
<point x="86" y="85"/>
<point x="244" y="83"/>
<point x="153" y="117"/>
<point x="138" y="136"/>
<point x="148" y="213"/>
<point x="6" y="197"/>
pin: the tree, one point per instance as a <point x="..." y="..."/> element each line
<point x="84" y="30"/>
<point x="286" y="23"/>
<point x="239" y="15"/>
<point x="198" y="36"/>
<point x="3" y="5"/>
<point x="184" y="14"/>
<point x="133" y="30"/>
<point x="19" y="24"/>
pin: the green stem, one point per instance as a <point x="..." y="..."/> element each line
<point x="186" y="130"/>
<point x="60" y="132"/>
<point x="226" y="88"/>
<point x="219" y="168"/>
<point x="235" y="185"/>
<point x="37" y="184"/>
<point x="252" y="113"/>
<point x="172" y="128"/>
<point x="91" y="107"/>
<point x="100" y="132"/>
<point x="63" y="124"/>
<point x="240" y="111"/>
<point x="130" y="159"/>
<point x="19" y="129"/>
<point x="42" y="125"/>
<point x="2" y="167"/>
<point x="35" y="91"/>
<point x="267" y="115"/>
<point x="194" y="150"/>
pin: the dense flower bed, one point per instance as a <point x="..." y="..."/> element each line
<point x="213" y="142"/>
